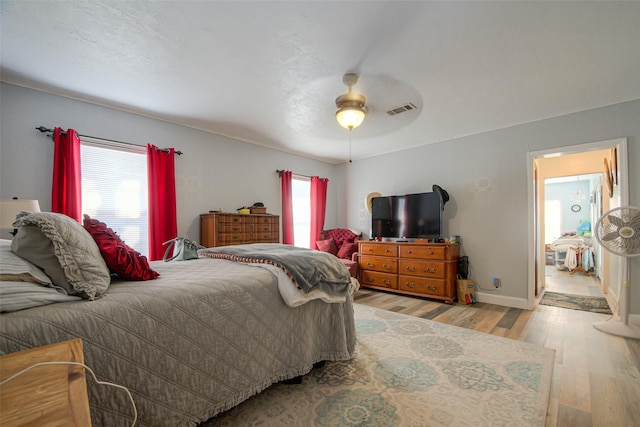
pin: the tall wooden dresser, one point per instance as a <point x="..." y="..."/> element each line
<point x="412" y="268"/>
<point x="224" y="229"/>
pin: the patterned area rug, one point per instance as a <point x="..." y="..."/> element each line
<point x="576" y="302"/>
<point x="410" y="371"/>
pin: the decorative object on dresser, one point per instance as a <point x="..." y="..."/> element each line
<point x="412" y="268"/>
<point x="223" y="229"/>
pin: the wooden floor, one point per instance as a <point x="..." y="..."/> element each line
<point x="596" y="376"/>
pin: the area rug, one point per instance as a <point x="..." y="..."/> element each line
<point x="410" y="371"/>
<point x="576" y="302"/>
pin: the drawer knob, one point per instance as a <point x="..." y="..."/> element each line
<point x="430" y="270"/>
<point x="410" y="252"/>
<point x="371" y="279"/>
<point x="410" y="285"/>
<point x="370" y="250"/>
<point x="386" y="250"/>
<point x="411" y="268"/>
<point x="386" y="282"/>
<point x="370" y="264"/>
<point x="387" y="266"/>
<point x="431" y="253"/>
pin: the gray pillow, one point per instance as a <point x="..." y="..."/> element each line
<point x="16" y="269"/>
<point x="64" y="250"/>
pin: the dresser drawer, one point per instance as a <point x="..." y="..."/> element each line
<point x="267" y="219"/>
<point x="422" y="285"/>
<point x="266" y="236"/>
<point x="235" y="219"/>
<point x="260" y="228"/>
<point x="378" y="249"/>
<point x="422" y="268"/>
<point x="384" y="265"/>
<point x="234" y="238"/>
<point x="423" y="252"/>
<point x="233" y="228"/>
<point x="374" y="278"/>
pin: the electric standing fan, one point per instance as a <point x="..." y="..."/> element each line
<point x="618" y="231"/>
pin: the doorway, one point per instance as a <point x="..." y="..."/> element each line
<point x="566" y="163"/>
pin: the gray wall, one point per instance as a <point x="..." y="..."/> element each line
<point x="214" y="172"/>
<point x="486" y="178"/>
<point x="485" y="174"/>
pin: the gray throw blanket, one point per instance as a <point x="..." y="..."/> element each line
<point x="309" y="269"/>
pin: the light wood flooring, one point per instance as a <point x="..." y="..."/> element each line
<point x="596" y="376"/>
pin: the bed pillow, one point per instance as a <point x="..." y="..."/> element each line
<point x="328" y="246"/>
<point x="65" y="251"/>
<point x="17" y="295"/>
<point x="347" y="250"/>
<point x="14" y="268"/>
<point x="121" y="259"/>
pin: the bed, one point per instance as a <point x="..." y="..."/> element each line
<point x="199" y="339"/>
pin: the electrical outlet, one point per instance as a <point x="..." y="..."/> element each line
<point x="496" y="282"/>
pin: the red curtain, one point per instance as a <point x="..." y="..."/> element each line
<point x="318" y="208"/>
<point x="287" y="208"/>
<point x="161" y="176"/>
<point x="66" y="192"/>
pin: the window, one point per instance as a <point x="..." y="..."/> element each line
<point x="114" y="190"/>
<point x="301" y="200"/>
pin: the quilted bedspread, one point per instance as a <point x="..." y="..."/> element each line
<point x="205" y="336"/>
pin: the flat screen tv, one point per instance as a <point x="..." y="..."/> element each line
<point x="412" y="216"/>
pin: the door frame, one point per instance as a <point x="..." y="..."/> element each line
<point x="534" y="241"/>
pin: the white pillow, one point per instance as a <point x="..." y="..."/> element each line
<point x="64" y="250"/>
<point x="21" y="295"/>
<point x="17" y="269"/>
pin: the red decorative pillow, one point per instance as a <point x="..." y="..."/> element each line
<point x="121" y="259"/>
<point x="340" y="235"/>
<point x="347" y="250"/>
<point x="328" y="245"/>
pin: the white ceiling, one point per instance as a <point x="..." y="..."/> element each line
<point x="269" y="72"/>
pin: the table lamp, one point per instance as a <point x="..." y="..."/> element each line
<point x="9" y="208"/>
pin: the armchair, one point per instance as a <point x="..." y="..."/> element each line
<point x="341" y="242"/>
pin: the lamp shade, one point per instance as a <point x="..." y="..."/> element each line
<point x="350" y="117"/>
<point x="351" y="110"/>
<point x="12" y="207"/>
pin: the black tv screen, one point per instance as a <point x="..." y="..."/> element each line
<point x="410" y="216"/>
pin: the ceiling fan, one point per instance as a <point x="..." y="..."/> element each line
<point x="351" y="106"/>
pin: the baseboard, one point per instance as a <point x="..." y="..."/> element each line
<point x="634" y="319"/>
<point x="491" y="298"/>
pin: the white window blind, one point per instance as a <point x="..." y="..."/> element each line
<point x="114" y="191"/>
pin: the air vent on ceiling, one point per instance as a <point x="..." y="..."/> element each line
<point x="406" y="107"/>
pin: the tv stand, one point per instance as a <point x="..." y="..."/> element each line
<point x="412" y="268"/>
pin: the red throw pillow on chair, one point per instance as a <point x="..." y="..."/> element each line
<point x="328" y="245"/>
<point x="347" y="250"/>
<point x="121" y="259"/>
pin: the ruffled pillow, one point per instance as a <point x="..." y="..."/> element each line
<point x="64" y="250"/>
<point x="328" y="246"/>
<point x="121" y="259"/>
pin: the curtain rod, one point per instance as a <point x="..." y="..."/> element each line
<point x="279" y="172"/>
<point x="44" y="129"/>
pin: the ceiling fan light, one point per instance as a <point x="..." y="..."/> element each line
<point x="350" y="116"/>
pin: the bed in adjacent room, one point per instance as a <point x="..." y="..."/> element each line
<point x="199" y="339"/>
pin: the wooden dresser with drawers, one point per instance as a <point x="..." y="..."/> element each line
<point x="224" y="229"/>
<point x="412" y="268"/>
